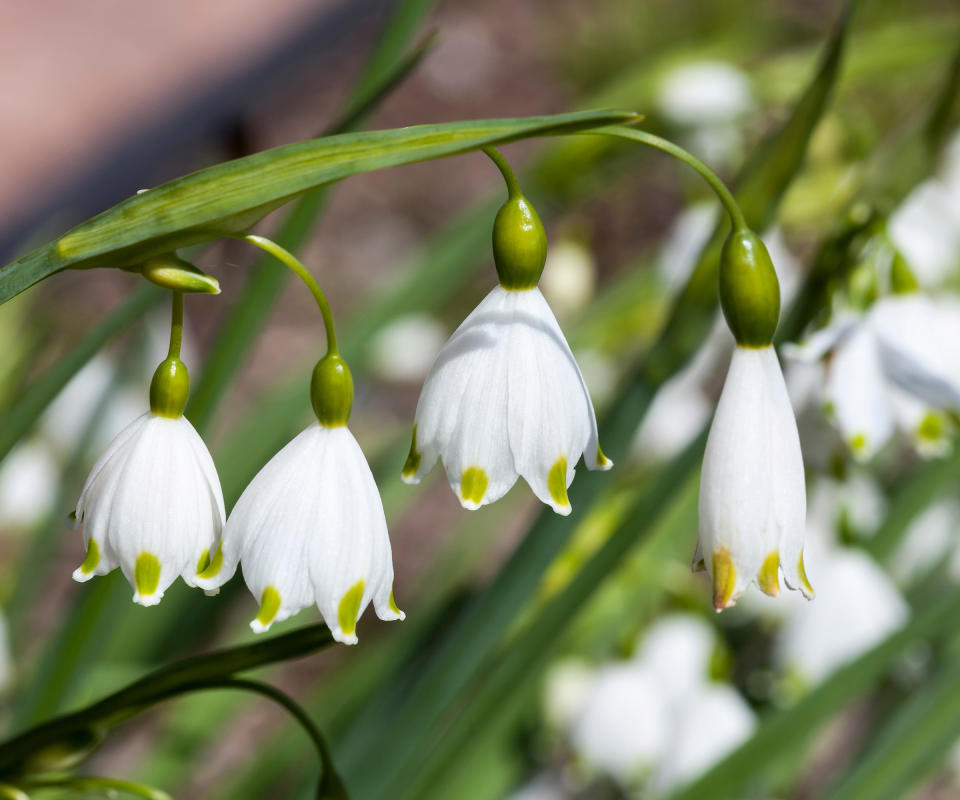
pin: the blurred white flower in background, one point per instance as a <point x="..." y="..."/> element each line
<point x="624" y="728"/>
<point x="656" y="720"/>
<point x="66" y="418"/>
<point x="404" y="350"/>
<point x="857" y="500"/>
<point x="567" y="692"/>
<point x="569" y="277"/>
<point x="687" y="236"/>
<point x="904" y="344"/>
<point x="29" y="479"/>
<point x="707" y="98"/>
<point x="857" y="607"/>
<point x="704" y="92"/>
<point x="929" y="543"/>
<point x="926" y="226"/>
<point x="713" y="723"/>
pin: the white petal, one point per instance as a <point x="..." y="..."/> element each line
<point x="549" y="415"/>
<point x="856" y="394"/>
<point x="310" y="529"/>
<point x="918" y="347"/>
<point x="461" y="414"/>
<point x="736" y="503"/>
<point x="821" y="341"/>
<point x="787" y="476"/>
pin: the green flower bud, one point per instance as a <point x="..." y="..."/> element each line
<point x="170" y="388"/>
<point x="172" y="272"/>
<point x="331" y="391"/>
<point x="519" y="244"/>
<point x="749" y="289"/>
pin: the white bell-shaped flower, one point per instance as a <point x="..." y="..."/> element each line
<point x="504" y="398"/>
<point x="309" y="529"/>
<point x="752" y="493"/>
<point x="152" y="505"/>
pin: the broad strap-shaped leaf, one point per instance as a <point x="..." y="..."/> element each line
<point x="230" y="197"/>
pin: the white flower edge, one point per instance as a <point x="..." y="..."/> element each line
<point x="309" y="529"/>
<point x="505" y="398"/>
<point x="152" y="505"/>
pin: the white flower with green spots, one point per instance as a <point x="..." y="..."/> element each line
<point x="752" y="492"/>
<point x="897" y="365"/>
<point x="310" y="529"/>
<point x="504" y="398"/>
<point x="152" y="505"/>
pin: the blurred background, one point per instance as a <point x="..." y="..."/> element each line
<point x="643" y="690"/>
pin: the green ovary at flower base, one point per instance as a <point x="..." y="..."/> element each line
<point x="505" y="397"/>
<point x="152" y="503"/>
<point x="310" y="528"/>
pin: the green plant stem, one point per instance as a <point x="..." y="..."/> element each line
<point x="288" y="259"/>
<point x="106" y="786"/>
<point x="331" y="786"/>
<point x="176" y="325"/>
<point x="719" y="187"/>
<point x="513" y="186"/>
<point x="15" y="754"/>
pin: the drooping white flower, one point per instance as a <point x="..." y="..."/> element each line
<point x="752" y="493"/>
<point x="309" y="529"/>
<point x="152" y="505"/>
<point x="504" y="398"/>
<point x="898" y="364"/>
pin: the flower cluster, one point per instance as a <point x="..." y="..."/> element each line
<point x="505" y="398"/>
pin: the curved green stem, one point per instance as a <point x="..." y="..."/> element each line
<point x="331" y="786"/>
<point x="513" y="186"/>
<point x="290" y="260"/>
<point x="718" y="186"/>
<point x="107" y="786"/>
<point x="78" y="733"/>
<point x="176" y="325"/>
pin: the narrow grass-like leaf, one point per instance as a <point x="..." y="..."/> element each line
<point x="916" y="740"/>
<point x="509" y="665"/>
<point x="787" y="731"/>
<point x="230" y="197"/>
